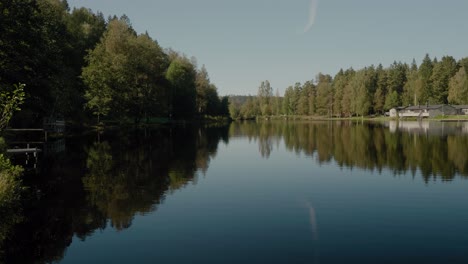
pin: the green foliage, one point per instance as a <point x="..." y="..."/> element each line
<point x="10" y="101"/>
<point x="458" y="88"/>
<point x="440" y="78"/>
<point x="181" y="76"/>
<point x="324" y="95"/>
<point x="381" y="89"/>
<point x="409" y="95"/>
<point x="289" y="101"/>
<point x="10" y="195"/>
<point x="208" y="101"/>
<point x="250" y="109"/>
<point x="68" y="59"/>
<point x="424" y="86"/>
<point x="374" y="90"/>
<point x="392" y="100"/>
<point x="10" y="184"/>
<point x="363" y="84"/>
<point x="125" y="72"/>
<point x="264" y="96"/>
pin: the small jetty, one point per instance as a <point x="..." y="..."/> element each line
<point x="24" y="150"/>
<point x="32" y="148"/>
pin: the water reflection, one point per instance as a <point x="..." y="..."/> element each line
<point x="434" y="148"/>
<point x="105" y="181"/>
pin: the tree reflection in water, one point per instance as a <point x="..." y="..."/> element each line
<point x="436" y="149"/>
<point x="104" y="182"/>
<point x="107" y="180"/>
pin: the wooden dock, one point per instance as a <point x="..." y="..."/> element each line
<point x="24" y="150"/>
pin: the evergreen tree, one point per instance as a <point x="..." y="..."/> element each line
<point x="458" y="87"/>
<point x="409" y="96"/>
<point x="424" y="85"/>
<point x="441" y="74"/>
<point x="381" y="90"/>
<point x="324" y="95"/>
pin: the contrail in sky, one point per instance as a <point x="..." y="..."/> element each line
<point x="313" y="12"/>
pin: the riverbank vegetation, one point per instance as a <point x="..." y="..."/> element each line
<point x="82" y="67"/>
<point x="370" y="91"/>
<point x="11" y="190"/>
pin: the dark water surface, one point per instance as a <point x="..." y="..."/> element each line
<point x="273" y="192"/>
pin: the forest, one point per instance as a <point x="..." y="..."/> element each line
<point x="79" y="66"/>
<point x="364" y="92"/>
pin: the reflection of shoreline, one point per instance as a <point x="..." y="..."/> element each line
<point x="428" y="128"/>
<point x="104" y="183"/>
<point x="433" y="149"/>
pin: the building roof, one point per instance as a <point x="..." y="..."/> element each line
<point x="428" y="107"/>
<point x="460" y="106"/>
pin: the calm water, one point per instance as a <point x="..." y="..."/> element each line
<point x="273" y="192"/>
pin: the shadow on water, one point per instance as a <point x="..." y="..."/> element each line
<point x="103" y="181"/>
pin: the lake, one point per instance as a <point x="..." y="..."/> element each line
<point x="267" y="192"/>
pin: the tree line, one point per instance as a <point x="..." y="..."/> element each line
<point x="75" y="60"/>
<point x="368" y="91"/>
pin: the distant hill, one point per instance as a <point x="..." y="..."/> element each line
<point x="239" y="99"/>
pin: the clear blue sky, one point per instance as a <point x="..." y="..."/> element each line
<point x="242" y="42"/>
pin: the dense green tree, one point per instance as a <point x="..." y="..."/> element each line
<point x="250" y="109"/>
<point x="106" y="73"/>
<point x="33" y="41"/>
<point x="458" y="88"/>
<point x="409" y="96"/>
<point x="288" y="101"/>
<point x="126" y="72"/>
<point x="213" y="101"/>
<point x="396" y="79"/>
<point x="381" y="90"/>
<point x="363" y="83"/>
<point x="347" y="104"/>
<point x="441" y="74"/>
<point x="339" y="83"/>
<point x="296" y="95"/>
<point x="147" y="63"/>
<point x="392" y="100"/>
<point x="276" y="104"/>
<point x="324" y="95"/>
<point x="303" y="102"/>
<point x="181" y="76"/>
<point x="310" y="87"/>
<point x="224" y="107"/>
<point x="202" y="82"/>
<point x="424" y="85"/>
<point x="264" y="95"/>
<point x="307" y="99"/>
<point x="85" y="29"/>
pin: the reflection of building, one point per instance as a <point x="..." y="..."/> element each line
<point x="408" y="126"/>
<point x="421" y="111"/>
<point x="430" y="128"/>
